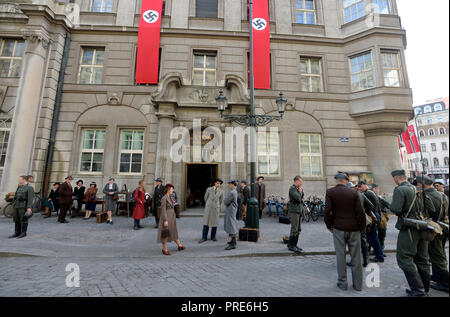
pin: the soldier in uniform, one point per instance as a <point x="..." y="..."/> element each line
<point x="158" y="194"/>
<point x="22" y="203"/>
<point x="384" y="208"/>
<point x="412" y="249"/>
<point x="296" y="195"/>
<point x="436" y="248"/>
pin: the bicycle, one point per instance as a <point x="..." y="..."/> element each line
<point x="36" y="206"/>
<point x="305" y="214"/>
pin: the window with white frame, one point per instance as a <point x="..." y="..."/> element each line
<point x="311" y="74"/>
<point x="305" y="12"/>
<point x="391" y="68"/>
<point x="353" y="10"/>
<point x="438" y="107"/>
<point x="204" y="71"/>
<point x="444" y="146"/>
<point x="11" y="52"/>
<point x="91" y="65"/>
<point x="427" y="109"/>
<point x="131" y="151"/>
<point x="92" y="150"/>
<point x="381" y="6"/>
<point x="421" y="133"/>
<point x="417" y="111"/>
<point x="103" y="6"/>
<point x="268" y="149"/>
<point x="433" y="147"/>
<point x="446" y="161"/>
<point x="361" y="69"/>
<point x="431" y="132"/>
<point x="5" y="128"/>
<point x="436" y="162"/>
<point x="441" y="131"/>
<point x="310" y="155"/>
<point x="429" y="120"/>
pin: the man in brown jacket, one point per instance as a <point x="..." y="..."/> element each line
<point x="260" y="193"/>
<point x="65" y="199"/>
<point x="345" y="219"/>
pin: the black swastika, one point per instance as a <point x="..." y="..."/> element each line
<point x="151" y="16"/>
<point x="259" y="24"/>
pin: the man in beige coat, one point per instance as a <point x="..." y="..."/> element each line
<point x="213" y="204"/>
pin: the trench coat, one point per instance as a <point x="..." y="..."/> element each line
<point x="139" y="208"/>
<point x="167" y="214"/>
<point x="213" y="204"/>
<point x="230" y="221"/>
<point x="260" y="193"/>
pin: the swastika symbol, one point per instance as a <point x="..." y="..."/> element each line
<point x="259" y="24"/>
<point x="150" y="16"/>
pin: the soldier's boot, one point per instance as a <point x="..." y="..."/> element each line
<point x="16" y="231"/>
<point x="426" y="280"/>
<point x="292" y="245"/>
<point x="415" y="284"/>
<point x="365" y="259"/>
<point x="442" y="281"/>
<point x="232" y="244"/>
<point x="434" y="275"/>
<point x="23" y="232"/>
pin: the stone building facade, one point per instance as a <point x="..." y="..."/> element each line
<point x="340" y="64"/>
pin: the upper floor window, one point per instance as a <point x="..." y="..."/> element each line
<point x="444" y="146"/>
<point x="5" y="128"/>
<point x="431" y="132"/>
<point x="433" y="147"/>
<point x="11" y="52"/>
<point x="427" y="109"/>
<point x="441" y="131"/>
<point x="418" y="111"/>
<point x="92" y="150"/>
<point x="353" y="10"/>
<point x="361" y="68"/>
<point x="446" y="161"/>
<point x="436" y="162"/>
<point x="381" y="6"/>
<point x="268" y="153"/>
<point x="91" y="65"/>
<point x="438" y="107"/>
<point x="311" y="74"/>
<point x="206" y="8"/>
<point x="204" y="71"/>
<point x="421" y="133"/>
<point x="102" y="6"/>
<point x="419" y="122"/>
<point x="305" y="12"/>
<point x="391" y="69"/>
<point x="131" y="151"/>
<point x="310" y="155"/>
<point x="430" y="120"/>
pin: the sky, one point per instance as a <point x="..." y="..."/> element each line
<point x="427" y="30"/>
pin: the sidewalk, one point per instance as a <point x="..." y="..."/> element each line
<point x="46" y="237"/>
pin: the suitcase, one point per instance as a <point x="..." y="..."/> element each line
<point x="248" y="234"/>
<point x="102" y="217"/>
<point x="284" y="219"/>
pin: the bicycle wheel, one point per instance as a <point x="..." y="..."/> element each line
<point x="8" y="210"/>
<point x="307" y="214"/>
<point x="315" y="213"/>
<point x="37" y="204"/>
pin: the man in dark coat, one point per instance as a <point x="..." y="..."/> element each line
<point x="245" y="191"/>
<point x="54" y="198"/>
<point x="78" y="195"/>
<point x="158" y="193"/>
<point x="260" y="193"/>
<point x="65" y="199"/>
<point x="345" y="219"/>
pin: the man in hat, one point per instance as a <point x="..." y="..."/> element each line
<point x="245" y="191"/>
<point x="65" y="199"/>
<point x="230" y="221"/>
<point x="436" y="248"/>
<point x="439" y="184"/>
<point x="78" y="195"/>
<point x="158" y="194"/>
<point x="412" y="249"/>
<point x="345" y="219"/>
<point x="213" y="204"/>
<point x="295" y="206"/>
<point x="22" y="204"/>
<point x="260" y="193"/>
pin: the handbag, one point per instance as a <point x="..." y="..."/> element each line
<point x="115" y="197"/>
<point x="368" y="220"/>
<point x="384" y="220"/>
<point x="164" y="233"/>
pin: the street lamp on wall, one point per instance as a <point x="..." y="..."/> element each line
<point x="222" y="102"/>
<point x="281" y="103"/>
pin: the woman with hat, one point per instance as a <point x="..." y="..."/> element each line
<point x="139" y="208"/>
<point x="111" y="191"/>
<point x="213" y="202"/>
<point x="91" y="200"/>
<point x="167" y="230"/>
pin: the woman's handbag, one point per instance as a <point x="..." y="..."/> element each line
<point x="164" y="233"/>
<point x="115" y="197"/>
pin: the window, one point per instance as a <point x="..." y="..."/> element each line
<point x="444" y="146"/>
<point x="92" y="149"/>
<point x="441" y="131"/>
<point x="419" y="122"/>
<point x="391" y="69"/>
<point x="91" y="65"/>
<point x="436" y="162"/>
<point x="418" y="111"/>
<point x="204" y="72"/>
<point x="446" y="161"/>
<point x="102" y="6"/>
<point x="440" y="118"/>
<point x="381" y="6"/>
<point x="353" y="10"/>
<point x="11" y="52"/>
<point x="310" y="155"/>
<point x="131" y="151"/>
<point x="311" y="74"/>
<point x="268" y="153"/>
<point x="430" y="120"/>
<point x="431" y="132"/>
<point x="421" y="133"/>
<point x="427" y="109"/>
<point x="438" y="107"/>
<point x="206" y="9"/>
<point x="433" y="147"/>
<point x="5" y="128"/>
<point x="305" y="12"/>
<point x="425" y="162"/>
<point x="362" y="72"/>
<point x="423" y="147"/>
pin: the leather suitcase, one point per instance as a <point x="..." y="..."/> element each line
<point x="248" y="234"/>
<point x="102" y="217"/>
<point x="284" y="219"/>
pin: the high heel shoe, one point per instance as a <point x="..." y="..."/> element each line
<point x="181" y="248"/>
<point x="165" y="252"/>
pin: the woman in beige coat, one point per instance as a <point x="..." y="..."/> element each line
<point x="167" y="221"/>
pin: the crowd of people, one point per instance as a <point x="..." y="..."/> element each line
<point x="356" y="215"/>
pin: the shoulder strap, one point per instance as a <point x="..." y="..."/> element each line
<point x="412" y="205"/>
<point x="443" y="202"/>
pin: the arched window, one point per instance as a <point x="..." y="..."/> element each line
<point x="441" y="131"/>
<point x="425" y="162"/>
<point x="446" y="161"/>
<point x="421" y="133"/>
<point x="418" y="111"/>
<point x="438" y="107"/>
<point x="436" y="162"/>
<point x="427" y="109"/>
<point x="431" y="132"/>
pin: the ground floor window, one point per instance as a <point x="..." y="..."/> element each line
<point x="92" y="150"/>
<point x="268" y="153"/>
<point x="131" y="151"/>
<point x="310" y="155"/>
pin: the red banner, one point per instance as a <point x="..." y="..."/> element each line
<point x="410" y="140"/>
<point x="400" y="148"/>
<point x="261" y="44"/>
<point x="148" y="42"/>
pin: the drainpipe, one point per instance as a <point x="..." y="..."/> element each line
<point x="55" y="119"/>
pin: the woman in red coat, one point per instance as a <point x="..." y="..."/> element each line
<point x="139" y="207"/>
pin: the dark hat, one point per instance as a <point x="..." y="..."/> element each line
<point x="375" y="186"/>
<point x="424" y="179"/>
<point x="260" y="178"/>
<point x="361" y="183"/>
<point x="159" y="180"/>
<point x="233" y="181"/>
<point x="93" y="183"/>
<point x="244" y="181"/>
<point x="218" y="180"/>
<point x="341" y="176"/>
<point x="398" y="173"/>
<point x="80" y="180"/>
<point x="57" y="183"/>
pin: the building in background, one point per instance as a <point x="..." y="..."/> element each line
<point x="340" y="64"/>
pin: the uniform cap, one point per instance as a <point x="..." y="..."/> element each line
<point x="341" y="176"/>
<point x="398" y="173"/>
<point x="424" y="179"/>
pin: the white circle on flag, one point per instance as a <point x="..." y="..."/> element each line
<point x="259" y="24"/>
<point x="150" y="16"/>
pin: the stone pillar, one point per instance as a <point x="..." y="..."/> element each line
<point x="232" y="16"/>
<point x="126" y="12"/>
<point x="27" y="109"/>
<point x="284" y="17"/>
<point x="384" y="157"/>
<point x="180" y="14"/>
<point x="166" y="116"/>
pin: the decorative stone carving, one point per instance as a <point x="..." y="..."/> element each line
<point x="35" y="39"/>
<point x="202" y="95"/>
<point x="115" y="98"/>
